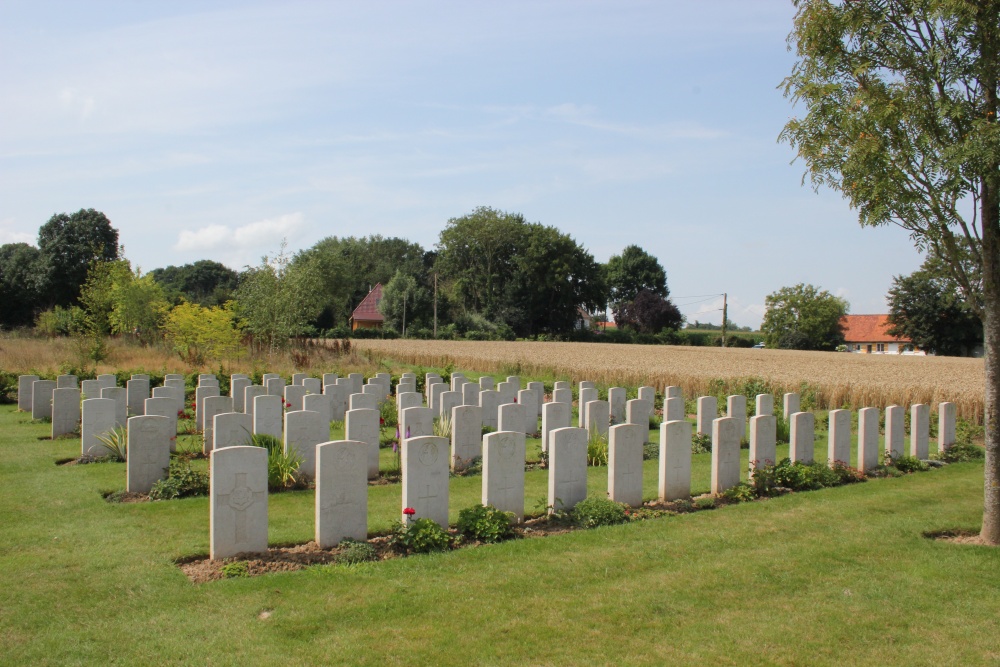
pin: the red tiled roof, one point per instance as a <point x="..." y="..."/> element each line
<point x="868" y="329"/>
<point x="367" y="310"/>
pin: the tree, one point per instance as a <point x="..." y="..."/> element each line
<point x="803" y="318"/>
<point x="923" y="308"/>
<point x="197" y="333"/>
<point x="404" y="303"/>
<point x="204" y="282"/>
<point x="648" y="312"/>
<point x="632" y="271"/>
<point x="901" y="100"/>
<point x="22" y="282"/>
<point x="68" y="244"/>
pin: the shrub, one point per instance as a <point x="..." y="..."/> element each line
<point x="387" y="413"/>
<point x="353" y="551"/>
<point x="592" y="512"/>
<point x="282" y="467"/>
<point x="486" y="523"/>
<point x="182" y="481"/>
<point x="442" y="427"/>
<point x="741" y="493"/>
<point x="701" y="443"/>
<point x="907" y="463"/>
<point x="961" y="452"/>
<point x="769" y="480"/>
<point x="597" y="449"/>
<point x="116" y="442"/>
<point x="420" y="536"/>
<point x="650" y="451"/>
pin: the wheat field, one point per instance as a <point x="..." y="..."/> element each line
<point x="839" y="379"/>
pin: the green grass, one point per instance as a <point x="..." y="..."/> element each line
<point x="840" y="576"/>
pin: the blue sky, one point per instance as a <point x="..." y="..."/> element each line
<point x="213" y="130"/>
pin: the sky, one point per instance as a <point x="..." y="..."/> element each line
<point x="216" y="130"/>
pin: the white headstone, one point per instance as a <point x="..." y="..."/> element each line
<point x="503" y="471"/>
<point x="323" y="404"/>
<point x="268" y="376"/>
<point x="137" y="391"/>
<point x="294" y="393"/>
<point x="329" y="378"/>
<point x="554" y="415"/>
<point x="466" y="435"/>
<point x="538" y="390"/>
<point x="508" y="392"/>
<point x="562" y="395"/>
<point x="363" y="402"/>
<point x="118" y="395"/>
<point x="276" y="387"/>
<point x="625" y="463"/>
<point x="68" y="382"/>
<point x="586" y="395"/>
<point x="510" y="417"/>
<point x="647" y="394"/>
<point x="24" y="383"/>
<point x="764" y="405"/>
<point x="486" y="383"/>
<point x="237" y="390"/>
<point x="447" y="401"/>
<point x="98" y="420"/>
<point x="214" y="405"/>
<point x="107" y="380"/>
<point x="425" y="477"/>
<point x="673" y="409"/>
<point x="561" y="384"/>
<point x="357" y="382"/>
<point x="470" y="394"/>
<point x="297" y="378"/>
<point x="148" y="452"/>
<point x="457" y="380"/>
<point x="65" y="411"/>
<point x="763" y="441"/>
<point x="920" y="421"/>
<point x="585" y="384"/>
<point x="567" y="467"/>
<point x="616" y="401"/>
<point x="416" y="422"/>
<point x="232" y="429"/>
<point x="489" y="403"/>
<point x="341" y="492"/>
<point x="41" y="398"/>
<point x="200" y="394"/>
<point x="164" y="406"/>
<point x="867" y="439"/>
<point x="362" y="425"/>
<point x="304" y="429"/>
<point x="407" y="399"/>
<point x="802" y="437"/>
<point x="725" y="454"/>
<point x="529" y="404"/>
<point x="92" y="389"/>
<point x="637" y="412"/>
<point x="790" y="405"/>
<point x="238" y="500"/>
<point x="340" y="394"/>
<point x="839" y="443"/>
<point x="946" y="426"/>
<point x="434" y="398"/>
<point x="249" y="394"/>
<point x="597" y="417"/>
<point x="708" y="412"/>
<point x="675" y="460"/>
<point x="673" y="391"/>
<point x="736" y="408"/>
<point x="894" y="431"/>
<point x="312" y="386"/>
<point x="267" y="415"/>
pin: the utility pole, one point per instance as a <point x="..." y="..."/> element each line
<point x="725" y="315"/>
<point x="404" y="314"/>
<point x="435" y="304"/>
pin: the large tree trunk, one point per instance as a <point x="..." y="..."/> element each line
<point x="991" y="343"/>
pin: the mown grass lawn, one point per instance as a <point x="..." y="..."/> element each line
<point x="840" y="576"/>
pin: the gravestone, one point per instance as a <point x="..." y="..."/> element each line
<point x="425" y="477"/>
<point x="801" y="437"/>
<point x="457" y="380"/>
<point x="136" y="393"/>
<point x="538" y="390"/>
<point x="561" y="384"/>
<point x="180" y="390"/>
<point x="232" y="429"/>
<point x="118" y="395"/>
<point x="586" y="395"/>
<point x="867" y="439"/>
<point x="503" y="472"/>
<point x="529" y="404"/>
<point x="357" y="382"/>
<point x="312" y="386"/>
<point x="297" y="378"/>
<point x="249" y="394"/>
<point x="268" y="376"/>
<point x="163" y="406"/>
<point x="736" y="408"/>
<point x="24" y="384"/>
<point x="107" y="380"/>
<point x="41" y="398"/>
<point x="434" y="400"/>
<point x="406" y="388"/>
<point x="214" y="405"/>
<point x="65" y="411"/>
<point x="362" y="425"/>
<point x="329" y="378"/>
<point x="304" y="429"/>
<point x="708" y="412"/>
<point x="567" y="467"/>
<point x="790" y="405"/>
<point x="585" y="384"/>
<point x="470" y="394"/>
<point x="616" y="401"/>
<point x="554" y="415"/>
<point x="341" y="492"/>
<point x="148" y="452"/>
<point x="637" y="412"/>
<point x="92" y="389"/>
<point x="673" y="392"/>
<point x="200" y="394"/>
<point x="648" y="394"/>
<point x="765" y="404"/>
<point x="563" y="395"/>
<point x="447" y="401"/>
<point x="597" y="417"/>
<point x="173" y="376"/>
<point x="725" y="454"/>
<point x="68" y="382"/>
<point x="267" y="415"/>
<point x="340" y="394"/>
<point x="839" y="443"/>
<point x="486" y="383"/>
<point x="763" y="441"/>
<point x="511" y="418"/>
<point x="237" y="391"/>
<point x="920" y="415"/>
<point x="675" y="460"/>
<point x="673" y="409"/>
<point x="275" y="387"/>
<point x="207" y="377"/>
<point x="625" y="463"/>
<point x="489" y="403"/>
<point x="407" y="399"/>
<point x="894" y="431"/>
<point x="515" y="380"/>
<point x="363" y="402"/>
<point x="416" y="422"/>
<point x="946" y="426"/>
<point x="322" y="404"/>
<point x="238" y="500"/>
<point x="431" y="379"/>
<point x="294" y="393"/>
<point x="508" y="392"/>
<point x="466" y="435"/>
<point x="97" y="420"/>
<point x="374" y="389"/>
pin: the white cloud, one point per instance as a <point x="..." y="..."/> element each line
<point x="9" y="233"/>
<point x="251" y="236"/>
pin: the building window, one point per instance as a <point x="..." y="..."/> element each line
<point x="880" y="347"/>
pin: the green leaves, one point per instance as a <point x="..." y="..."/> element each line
<point x="803" y="317"/>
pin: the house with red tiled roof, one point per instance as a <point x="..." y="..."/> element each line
<point x="367" y="315"/>
<point x="869" y="334"/>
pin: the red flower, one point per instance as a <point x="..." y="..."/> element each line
<point x="381" y="421"/>
<point x="288" y="405"/>
<point x="409" y="511"/>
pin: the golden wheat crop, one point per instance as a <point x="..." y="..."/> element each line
<point x="839" y="379"/>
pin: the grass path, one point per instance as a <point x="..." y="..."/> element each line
<point x="841" y="576"/>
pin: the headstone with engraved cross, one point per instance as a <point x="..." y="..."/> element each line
<point x="341" y="492"/>
<point x="503" y="471"/>
<point x="238" y="501"/>
<point x="425" y="477"/>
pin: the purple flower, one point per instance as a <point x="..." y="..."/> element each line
<point x="407" y="432"/>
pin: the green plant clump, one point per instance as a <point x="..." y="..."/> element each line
<point x="592" y="512"/>
<point x="420" y="536"/>
<point x="236" y="569"/>
<point x="701" y="443"/>
<point x="907" y="463"/>
<point x="486" y="523"/>
<point x="182" y="481"/>
<point x="961" y="452"/>
<point x="354" y="552"/>
<point x="116" y="442"/>
<point x="282" y="467"/>
<point x="785" y="475"/>
<point x="597" y="449"/>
